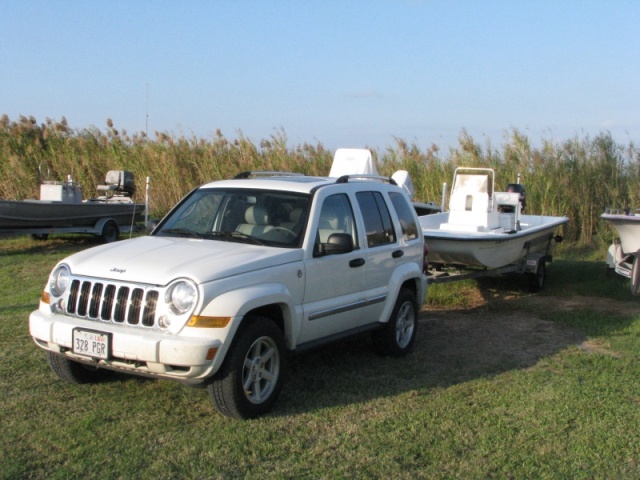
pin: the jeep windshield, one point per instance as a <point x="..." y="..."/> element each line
<point x="262" y="217"/>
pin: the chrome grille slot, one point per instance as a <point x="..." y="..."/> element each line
<point x="84" y="299"/>
<point x="112" y="303"/>
<point x="121" y="304"/>
<point x="148" y="317"/>
<point x="96" y="296"/>
<point x="107" y="302"/>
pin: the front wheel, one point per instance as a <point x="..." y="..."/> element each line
<point x="396" y="338"/>
<point x="74" y="372"/>
<point x="250" y="379"/>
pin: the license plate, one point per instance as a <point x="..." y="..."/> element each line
<point x="90" y="343"/>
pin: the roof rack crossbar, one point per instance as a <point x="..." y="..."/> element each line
<point x="380" y="178"/>
<point x="245" y="175"/>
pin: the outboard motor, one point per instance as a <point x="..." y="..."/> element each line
<point x="518" y="188"/>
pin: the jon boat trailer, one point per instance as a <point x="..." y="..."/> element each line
<point x="106" y="227"/>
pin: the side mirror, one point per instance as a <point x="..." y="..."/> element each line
<point x="152" y="224"/>
<point x="336" y="243"/>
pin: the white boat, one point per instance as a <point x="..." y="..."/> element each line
<point x="624" y="253"/>
<point x="486" y="229"/>
<point x="627" y="224"/>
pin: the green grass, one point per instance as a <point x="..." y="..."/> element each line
<point x="571" y="412"/>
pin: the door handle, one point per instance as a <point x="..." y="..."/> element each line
<point x="397" y="254"/>
<point x="356" y="262"/>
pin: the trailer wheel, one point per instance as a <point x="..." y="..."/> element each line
<point x="110" y="232"/>
<point x="635" y="275"/>
<point x="536" y="280"/>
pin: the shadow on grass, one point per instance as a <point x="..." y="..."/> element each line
<point x="452" y="347"/>
<point x="512" y="330"/>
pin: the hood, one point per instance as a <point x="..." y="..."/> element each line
<point x="159" y="260"/>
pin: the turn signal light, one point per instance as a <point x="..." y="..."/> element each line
<point x="208" y="322"/>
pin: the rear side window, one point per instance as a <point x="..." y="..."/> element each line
<point x="407" y="220"/>
<point x="377" y="219"/>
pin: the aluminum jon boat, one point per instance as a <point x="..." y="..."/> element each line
<point x="486" y="231"/>
<point x="61" y="209"/>
<point x="624" y="253"/>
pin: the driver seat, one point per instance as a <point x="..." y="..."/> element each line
<point x="257" y="221"/>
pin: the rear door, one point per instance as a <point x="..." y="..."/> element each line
<point x="335" y="283"/>
<point x="383" y="251"/>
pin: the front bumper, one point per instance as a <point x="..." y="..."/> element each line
<point x="140" y="352"/>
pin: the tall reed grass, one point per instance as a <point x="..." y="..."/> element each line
<point x="577" y="177"/>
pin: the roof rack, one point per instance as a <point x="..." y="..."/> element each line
<point x="245" y="175"/>
<point x="380" y="178"/>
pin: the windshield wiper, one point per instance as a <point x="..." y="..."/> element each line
<point x="180" y="232"/>
<point x="235" y="235"/>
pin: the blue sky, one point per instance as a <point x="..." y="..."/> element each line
<point x="343" y="73"/>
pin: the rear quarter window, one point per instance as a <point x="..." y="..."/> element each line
<point x="405" y="214"/>
<point x="377" y="219"/>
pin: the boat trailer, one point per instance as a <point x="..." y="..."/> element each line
<point x="532" y="265"/>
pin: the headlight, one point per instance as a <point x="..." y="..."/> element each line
<point x="59" y="280"/>
<point x="182" y="297"/>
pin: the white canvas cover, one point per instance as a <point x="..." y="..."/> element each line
<point x="403" y="179"/>
<point x="353" y="161"/>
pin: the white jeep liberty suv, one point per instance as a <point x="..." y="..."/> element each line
<point x="240" y="273"/>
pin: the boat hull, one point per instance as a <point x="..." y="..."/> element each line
<point x="628" y="228"/>
<point x="487" y="249"/>
<point x="28" y="214"/>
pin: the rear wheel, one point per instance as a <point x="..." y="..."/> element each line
<point x="251" y="377"/>
<point x="74" y="372"/>
<point x="396" y="338"/>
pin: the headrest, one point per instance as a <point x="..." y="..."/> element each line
<point x="257" y="215"/>
<point x="329" y="219"/>
<point x="296" y="215"/>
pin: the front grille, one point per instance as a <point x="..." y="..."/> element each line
<point x="113" y="303"/>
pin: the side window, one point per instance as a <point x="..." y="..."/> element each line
<point x="377" y="219"/>
<point x="336" y="216"/>
<point x="403" y="210"/>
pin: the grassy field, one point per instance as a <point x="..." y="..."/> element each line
<point x="501" y="384"/>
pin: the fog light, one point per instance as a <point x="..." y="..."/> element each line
<point x="164" y="321"/>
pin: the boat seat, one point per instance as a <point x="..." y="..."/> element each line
<point x="469" y="212"/>
<point x="257" y="221"/>
<point x="118" y="181"/>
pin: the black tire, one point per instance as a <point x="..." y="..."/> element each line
<point x="635" y="275"/>
<point x="396" y="338"/>
<point x="74" y="372"/>
<point x="535" y="281"/>
<point x="250" y="380"/>
<point x="110" y="232"/>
